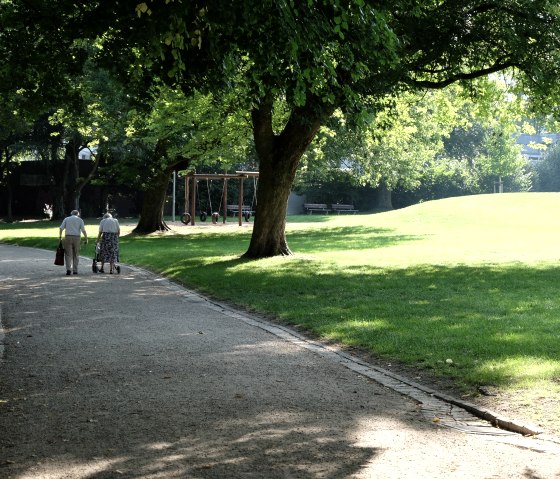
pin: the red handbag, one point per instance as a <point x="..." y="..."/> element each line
<point x="59" y="258"/>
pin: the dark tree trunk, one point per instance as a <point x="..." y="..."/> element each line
<point x="84" y="181"/>
<point x="383" y="197"/>
<point x="58" y="208"/>
<point x="151" y="216"/>
<point x="279" y="156"/>
<point x="54" y="168"/>
<point x="7" y="174"/>
<point x="9" y="213"/>
<point x="71" y="174"/>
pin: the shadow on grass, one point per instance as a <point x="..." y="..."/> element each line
<point x="304" y="242"/>
<point x="218" y="244"/>
<point x="345" y="238"/>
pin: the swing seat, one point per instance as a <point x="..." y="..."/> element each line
<point x="186" y="219"/>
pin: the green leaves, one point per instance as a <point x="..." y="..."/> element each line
<point x="142" y="8"/>
<point x="196" y="127"/>
<point x="341" y="24"/>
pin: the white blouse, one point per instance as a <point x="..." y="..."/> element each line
<point x="109" y="225"/>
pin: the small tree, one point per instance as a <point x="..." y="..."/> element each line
<point x="547" y="170"/>
<point x="177" y="133"/>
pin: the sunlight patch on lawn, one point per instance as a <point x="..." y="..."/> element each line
<point x="521" y="371"/>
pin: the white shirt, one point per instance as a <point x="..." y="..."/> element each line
<point x="73" y="225"/>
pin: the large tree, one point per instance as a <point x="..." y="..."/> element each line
<point x="427" y="145"/>
<point x="387" y="149"/>
<point x="317" y="55"/>
<point x="320" y="55"/>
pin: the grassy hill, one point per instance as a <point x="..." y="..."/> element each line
<point x="465" y="230"/>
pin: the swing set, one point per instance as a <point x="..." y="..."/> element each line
<point x="239" y="209"/>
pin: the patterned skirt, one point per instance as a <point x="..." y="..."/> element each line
<point x="109" y="249"/>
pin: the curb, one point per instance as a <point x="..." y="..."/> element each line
<point x="493" y="418"/>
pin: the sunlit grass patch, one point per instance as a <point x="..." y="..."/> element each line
<point x="520" y="372"/>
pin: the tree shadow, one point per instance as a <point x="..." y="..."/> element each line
<point x="346" y="238"/>
<point x="90" y="390"/>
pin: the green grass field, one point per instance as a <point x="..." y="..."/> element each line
<point x="466" y="288"/>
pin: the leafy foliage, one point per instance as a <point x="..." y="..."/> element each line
<point x="439" y="143"/>
<point x="548" y="171"/>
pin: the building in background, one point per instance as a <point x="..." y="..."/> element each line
<point x="534" y="147"/>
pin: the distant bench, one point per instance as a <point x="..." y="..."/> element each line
<point x="344" y="208"/>
<point x="311" y="207"/>
<point x="245" y="210"/>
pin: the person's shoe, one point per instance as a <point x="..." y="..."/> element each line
<point x="68" y="272"/>
<point x="75" y="272"/>
<point x="101" y="270"/>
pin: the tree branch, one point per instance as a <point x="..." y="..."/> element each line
<point x="439" y="84"/>
<point x="87" y="179"/>
<point x="491" y="6"/>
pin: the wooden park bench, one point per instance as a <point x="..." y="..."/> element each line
<point x="311" y="207"/>
<point x="344" y="208"/>
<point x="234" y="210"/>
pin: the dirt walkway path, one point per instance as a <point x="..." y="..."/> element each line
<point x="130" y="376"/>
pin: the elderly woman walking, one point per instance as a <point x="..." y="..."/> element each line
<point x="109" y="232"/>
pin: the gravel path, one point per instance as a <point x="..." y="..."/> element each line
<point x="131" y="376"/>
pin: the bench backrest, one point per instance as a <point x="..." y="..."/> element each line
<point x="236" y="207"/>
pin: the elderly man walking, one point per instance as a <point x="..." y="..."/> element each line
<point x="74" y="226"/>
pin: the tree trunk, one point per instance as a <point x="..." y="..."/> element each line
<point x="9" y="213"/>
<point x="84" y="181"/>
<point x="151" y="216"/>
<point x="54" y="169"/>
<point x="7" y="173"/>
<point x="383" y="198"/>
<point x="58" y="208"/>
<point x="279" y="156"/>
<point x="71" y="174"/>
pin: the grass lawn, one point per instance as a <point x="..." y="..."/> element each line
<point x="464" y="287"/>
